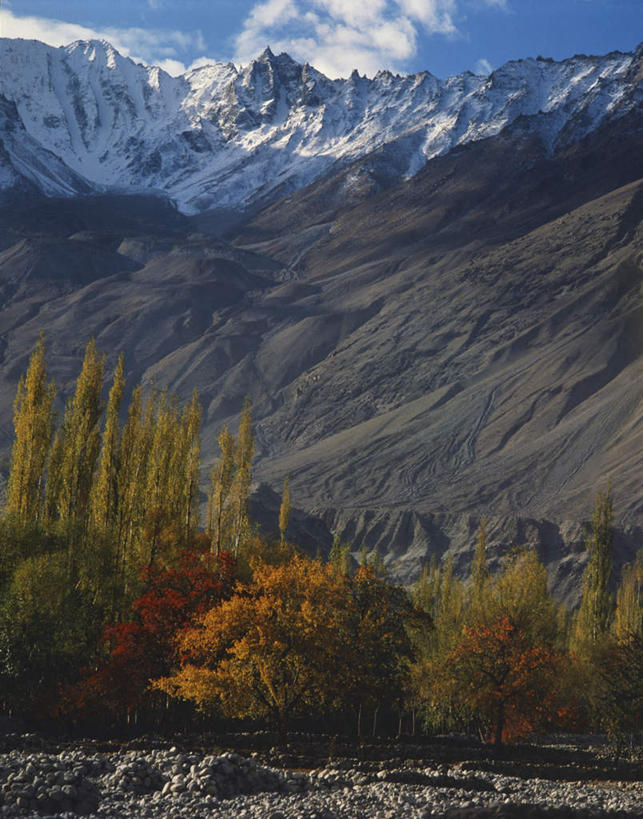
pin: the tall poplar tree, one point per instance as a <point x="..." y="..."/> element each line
<point x="284" y="511"/>
<point x="189" y="465"/>
<point x="161" y="490"/>
<point x="53" y="486"/>
<point x="104" y="497"/>
<point x="80" y="441"/>
<point x="339" y="557"/>
<point x="136" y="443"/>
<point x="34" y="424"/>
<point x="596" y="609"/>
<point x="243" y="475"/>
<point x="221" y="479"/>
<point x="628" y="617"/>
<point x="479" y="569"/>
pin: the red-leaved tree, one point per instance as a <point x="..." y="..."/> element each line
<point x="506" y="679"/>
<point x="144" y="648"/>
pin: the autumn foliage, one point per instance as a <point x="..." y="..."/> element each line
<point x="277" y="647"/>
<point x="114" y="604"/>
<point x="505" y="678"/>
<point x="135" y="652"/>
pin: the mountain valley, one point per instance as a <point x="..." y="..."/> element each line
<point x="433" y="323"/>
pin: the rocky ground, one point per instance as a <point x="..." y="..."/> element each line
<point x="39" y="778"/>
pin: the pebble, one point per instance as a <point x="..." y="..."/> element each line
<point x="170" y="783"/>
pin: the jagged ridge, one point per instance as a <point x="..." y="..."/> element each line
<point x="83" y="118"/>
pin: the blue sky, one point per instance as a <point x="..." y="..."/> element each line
<point x="445" y="37"/>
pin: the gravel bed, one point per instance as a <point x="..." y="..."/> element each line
<point x="175" y="783"/>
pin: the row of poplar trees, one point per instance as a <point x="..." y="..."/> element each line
<point x="104" y="496"/>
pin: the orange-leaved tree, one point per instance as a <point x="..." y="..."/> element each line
<point x="275" y="648"/>
<point x="506" y="665"/>
<point x="505" y="677"/>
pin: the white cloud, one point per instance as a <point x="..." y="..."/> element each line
<point x="436" y="15"/>
<point x="152" y="46"/>
<point x="199" y="63"/>
<point x="170" y="66"/>
<point x="483" y="67"/>
<point x="337" y="36"/>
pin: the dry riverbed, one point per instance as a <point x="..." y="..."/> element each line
<point x="314" y="780"/>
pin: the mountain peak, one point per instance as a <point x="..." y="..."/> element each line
<point x="222" y="137"/>
<point x="266" y="55"/>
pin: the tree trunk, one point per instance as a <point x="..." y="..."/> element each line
<point x="282" y="730"/>
<point x="413" y="722"/>
<point x="359" y="721"/>
<point x="500" y="721"/>
<point x="375" y="720"/>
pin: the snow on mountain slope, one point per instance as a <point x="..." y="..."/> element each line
<point x="85" y="117"/>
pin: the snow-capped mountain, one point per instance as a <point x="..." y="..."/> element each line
<point x="84" y="118"/>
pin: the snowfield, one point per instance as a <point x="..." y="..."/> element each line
<point x="84" y="118"/>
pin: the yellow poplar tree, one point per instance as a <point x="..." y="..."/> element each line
<point x="243" y="476"/>
<point x="188" y="466"/>
<point x="104" y="498"/>
<point x="80" y="441"/>
<point x="161" y="489"/>
<point x="284" y="511"/>
<point x="131" y="485"/>
<point x="628" y="617"/>
<point x="479" y="567"/>
<point x="594" y="616"/>
<point x="53" y="486"/>
<point x="34" y="424"/>
<point x="221" y="479"/>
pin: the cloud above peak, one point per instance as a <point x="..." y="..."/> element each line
<point x="160" y="47"/>
<point x="337" y="36"/>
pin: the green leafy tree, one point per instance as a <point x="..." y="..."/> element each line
<point x="594" y="616"/>
<point x="617" y="663"/>
<point x="432" y="689"/>
<point x="48" y="630"/>
<point x="379" y="634"/>
<point x="339" y="557"/>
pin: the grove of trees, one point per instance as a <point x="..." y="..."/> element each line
<point x="116" y="606"/>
